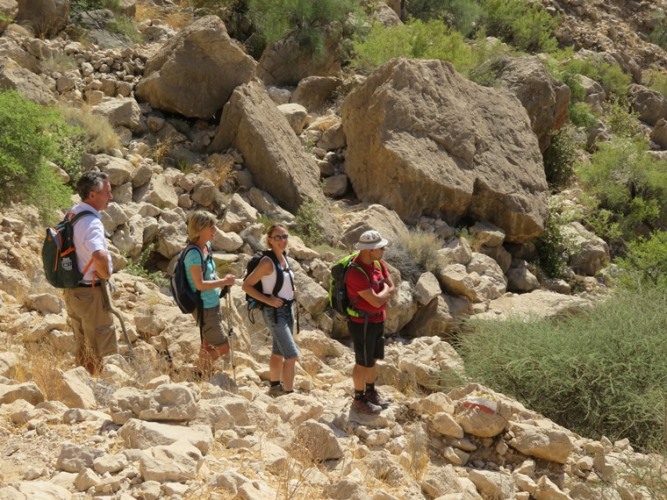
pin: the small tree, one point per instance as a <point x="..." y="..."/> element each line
<point x="31" y="136"/>
<point x="305" y="20"/>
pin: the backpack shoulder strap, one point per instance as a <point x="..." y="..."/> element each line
<point x="76" y="217"/>
<point x="279" y="274"/>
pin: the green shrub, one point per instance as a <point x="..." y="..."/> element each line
<point x="645" y="263"/>
<point x="307" y="223"/>
<point x="139" y="268"/>
<point x="601" y="372"/>
<point x="424" y="40"/>
<point x="463" y="15"/>
<point x="582" y="116"/>
<point x="32" y="135"/>
<point x="525" y="25"/>
<point x="622" y="122"/>
<point x="559" y="158"/>
<point x="77" y="6"/>
<point x="658" y="35"/>
<point x="657" y="81"/>
<point x="552" y="248"/>
<point x="610" y="75"/>
<point x="305" y="20"/>
<point x="629" y="183"/>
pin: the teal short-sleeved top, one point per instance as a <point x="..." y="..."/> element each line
<point x="210" y="298"/>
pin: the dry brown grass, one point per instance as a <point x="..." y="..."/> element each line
<point x="176" y="18"/>
<point x="101" y="136"/>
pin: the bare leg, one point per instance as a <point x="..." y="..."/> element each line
<point x="275" y="367"/>
<point x="288" y="374"/>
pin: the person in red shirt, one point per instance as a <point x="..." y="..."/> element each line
<point x="369" y="286"/>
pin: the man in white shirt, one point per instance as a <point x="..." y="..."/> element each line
<point x="88" y="310"/>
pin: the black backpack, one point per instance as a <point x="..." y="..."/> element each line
<point x="185" y="297"/>
<point x="59" y="254"/>
<point x="280" y="279"/>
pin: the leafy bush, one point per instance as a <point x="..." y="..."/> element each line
<point x="582" y="116"/>
<point x="423" y="40"/>
<point x="525" y="25"/>
<point x="559" y="158"/>
<point x="463" y="15"/>
<point x="608" y="74"/>
<point x="86" y="5"/>
<point x="307" y="223"/>
<point x="551" y="247"/>
<point x="622" y="122"/>
<point x="658" y="35"/>
<point x="629" y="183"/>
<point x="305" y="20"/>
<point x="645" y="263"/>
<point x="31" y="135"/>
<point x="657" y="81"/>
<point x="602" y="372"/>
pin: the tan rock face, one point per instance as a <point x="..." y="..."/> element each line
<point x="253" y="125"/>
<point x="546" y="99"/>
<point x="284" y="62"/>
<point x="195" y="72"/>
<point x="447" y="147"/>
<point x="46" y="17"/>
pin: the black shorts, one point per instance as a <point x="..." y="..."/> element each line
<point x="368" y="348"/>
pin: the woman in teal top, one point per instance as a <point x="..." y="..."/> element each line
<point x="203" y="278"/>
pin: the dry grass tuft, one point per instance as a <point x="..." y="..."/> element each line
<point x="101" y="136"/>
<point x="418" y="451"/>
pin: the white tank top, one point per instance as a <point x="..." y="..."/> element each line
<point x="286" y="292"/>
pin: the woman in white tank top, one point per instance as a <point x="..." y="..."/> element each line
<point x="277" y="310"/>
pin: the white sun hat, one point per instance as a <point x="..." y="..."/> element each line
<point x="370" y="240"/>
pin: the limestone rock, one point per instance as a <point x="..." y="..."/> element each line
<point x="449" y="146"/>
<point x="195" y="72"/>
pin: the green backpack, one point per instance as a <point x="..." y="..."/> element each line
<point x="338" y="298"/>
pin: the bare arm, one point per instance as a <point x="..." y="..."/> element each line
<point x="101" y="259"/>
<point x="202" y="285"/>
<point x="378" y="299"/>
<point x="264" y="268"/>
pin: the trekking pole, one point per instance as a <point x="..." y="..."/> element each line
<point x="228" y="298"/>
<point x="107" y="297"/>
<point x="296" y="309"/>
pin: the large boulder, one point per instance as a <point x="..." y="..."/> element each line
<point x="47" y="18"/>
<point x="285" y="61"/>
<point x="546" y="99"/>
<point x="8" y="9"/>
<point x="650" y="104"/>
<point x="195" y="72"/>
<point x="253" y="125"/>
<point x="15" y="77"/>
<point x="447" y="147"/>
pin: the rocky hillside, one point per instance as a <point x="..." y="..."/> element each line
<point x="412" y="148"/>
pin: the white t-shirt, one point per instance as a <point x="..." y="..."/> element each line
<point x="88" y="238"/>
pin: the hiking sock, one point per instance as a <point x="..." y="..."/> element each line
<point x="358" y="394"/>
<point x="370" y="387"/>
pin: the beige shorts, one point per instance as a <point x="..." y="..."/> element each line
<point x="213" y="327"/>
<point x="91" y="320"/>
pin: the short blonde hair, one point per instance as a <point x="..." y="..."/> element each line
<point x="197" y="222"/>
<point x="271" y="229"/>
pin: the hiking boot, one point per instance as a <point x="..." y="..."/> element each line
<point x="276" y="390"/>
<point x="364" y="406"/>
<point x="375" y="398"/>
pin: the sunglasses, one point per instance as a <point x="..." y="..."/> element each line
<point x="279" y="237"/>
